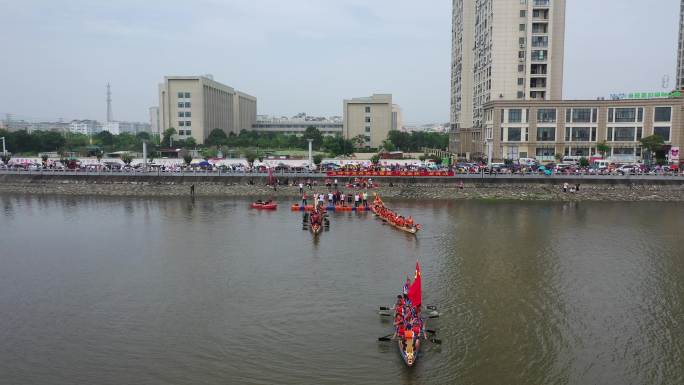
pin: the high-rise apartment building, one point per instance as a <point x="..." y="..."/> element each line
<point x="680" y="55"/>
<point x="371" y="118"/>
<point x="195" y="105"/>
<point x="504" y="50"/>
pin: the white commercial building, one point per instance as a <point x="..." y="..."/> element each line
<point x="85" y="127"/>
<point x="371" y="118"/>
<point x="298" y="124"/>
<point x="504" y="50"/>
<point x="195" y="105"/>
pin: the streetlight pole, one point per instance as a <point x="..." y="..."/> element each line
<point x="4" y="150"/>
<point x="310" y="153"/>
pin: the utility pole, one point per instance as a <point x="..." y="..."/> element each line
<point x="310" y="153"/>
<point x="4" y="150"/>
<point x="109" y="103"/>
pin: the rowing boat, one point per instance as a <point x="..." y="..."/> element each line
<point x="264" y="206"/>
<point x="407" y="352"/>
<point x="315" y="228"/>
<point x="410" y="230"/>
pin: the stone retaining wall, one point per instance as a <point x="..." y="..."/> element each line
<point x="412" y="188"/>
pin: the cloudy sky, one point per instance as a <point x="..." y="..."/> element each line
<point x="294" y="55"/>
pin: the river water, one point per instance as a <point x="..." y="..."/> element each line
<point x="171" y="291"/>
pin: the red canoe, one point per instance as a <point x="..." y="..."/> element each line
<point x="264" y="206"/>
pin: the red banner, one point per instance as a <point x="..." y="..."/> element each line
<point x="423" y="173"/>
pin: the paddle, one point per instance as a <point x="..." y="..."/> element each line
<point x="385" y="314"/>
<point x="386" y="338"/>
<point x="436" y="341"/>
<point x="432" y="307"/>
<point x="434" y="316"/>
<point x="430" y="331"/>
<point x="384" y="308"/>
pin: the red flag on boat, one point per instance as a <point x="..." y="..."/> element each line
<point x="415" y="293"/>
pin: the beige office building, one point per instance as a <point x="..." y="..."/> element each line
<point x="542" y="129"/>
<point x="504" y="50"/>
<point x="195" y="105"/>
<point x="371" y="118"/>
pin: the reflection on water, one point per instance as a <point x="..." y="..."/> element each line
<point x="97" y="290"/>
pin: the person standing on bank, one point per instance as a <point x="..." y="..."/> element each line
<point x="192" y="190"/>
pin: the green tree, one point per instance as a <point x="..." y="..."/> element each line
<point x="44" y="158"/>
<point x="168" y="135"/>
<point x="584" y="162"/>
<point x="104" y="138"/>
<point x="359" y="141"/>
<point x="187" y="158"/>
<point x="190" y="143"/>
<point x="98" y="155"/>
<point x="127" y="158"/>
<point x="5" y="158"/>
<point x="337" y="145"/>
<point x="654" y="145"/>
<point x="375" y="159"/>
<point x="602" y="148"/>
<point x="388" y="145"/>
<point x="217" y="137"/>
<point x="251" y="157"/>
<point x="558" y="157"/>
<point x="317" y="159"/>
<point x="313" y="133"/>
<point x="143" y="135"/>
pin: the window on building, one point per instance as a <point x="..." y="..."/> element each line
<point x="640" y="114"/>
<point x="581" y="134"/>
<point x="546" y="115"/>
<point x="181" y="114"/>
<point x="187" y="95"/>
<point x="625" y="115"/>
<point x="181" y="123"/>
<point x="368" y="119"/>
<point x="187" y="104"/>
<point x="368" y="110"/>
<point x="546" y="134"/>
<point x="610" y="115"/>
<point x="521" y="40"/>
<point x="623" y="134"/>
<point x="188" y="123"/>
<point x="181" y="104"/>
<point x="514" y="134"/>
<point x="581" y="115"/>
<point x="180" y="95"/>
<point x="521" y="81"/>
<point x="609" y="134"/>
<point x="367" y="129"/>
<point x="188" y="132"/>
<point x="662" y="114"/>
<point x="514" y="115"/>
<point x="523" y="13"/>
<point x="188" y="114"/>
<point x="623" y="151"/>
<point x="521" y="54"/>
<point x="521" y="94"/>
<point x="546" y="152"/>
<point x="539" y="55"/>
<point x="663" y="132"/>
<point x="521" y="68"/>
<point x="594" y="115"/>
<point x="640" y="133"/>
<point x="181" y="132"/>
<point x="521" y="28"/>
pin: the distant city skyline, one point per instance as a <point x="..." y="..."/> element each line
<point x="301" y="56"/>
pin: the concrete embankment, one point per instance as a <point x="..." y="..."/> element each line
<point x="518" y="188"/>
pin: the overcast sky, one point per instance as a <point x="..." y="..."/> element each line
<point x="293" y="55"/>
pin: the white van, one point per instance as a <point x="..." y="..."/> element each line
<point x="571" y="159"/>
<point x="601" y="164"/>
<point x="527" y="162"/>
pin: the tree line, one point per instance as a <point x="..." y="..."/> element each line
<point x="23" y="142"/>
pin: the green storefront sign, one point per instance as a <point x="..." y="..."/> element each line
<point x="646" y="95"/>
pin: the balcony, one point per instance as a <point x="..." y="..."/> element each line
<point x="541" y="3"/>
